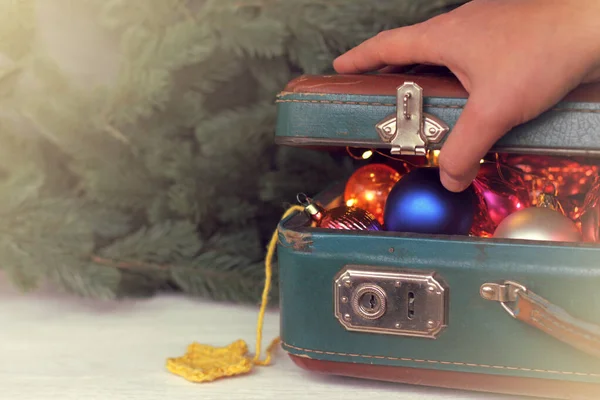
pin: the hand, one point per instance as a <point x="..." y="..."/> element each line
<point x="516" y="58"/>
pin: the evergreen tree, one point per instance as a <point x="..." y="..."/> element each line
<point x="136" y="136"/>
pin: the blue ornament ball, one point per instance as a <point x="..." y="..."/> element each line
<point x="419" y="203"/>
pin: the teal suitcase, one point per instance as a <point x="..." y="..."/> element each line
<point x="501" y="315"/>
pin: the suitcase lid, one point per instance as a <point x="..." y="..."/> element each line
<point x="361" y="111"/>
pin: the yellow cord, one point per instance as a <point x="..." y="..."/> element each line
<point x="203" y="363"/>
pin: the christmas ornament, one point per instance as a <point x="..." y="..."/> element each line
<point x="501" y="191"/>
<point x="343" y="217"/>
<point x="369" y="187"/>
<point x="419" y="203"/>
<point x="590" y="218"/>
<point x="433" y="158"/>
<point x="572" y="178"/>
<point x="590" y="225"/>
<point x="546" y="221"/>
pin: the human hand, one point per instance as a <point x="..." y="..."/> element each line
<point x="516" y="58"/>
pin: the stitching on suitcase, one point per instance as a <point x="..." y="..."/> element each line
<point x="540" y="318"/>
<point x="417" y="360"/>
<point x="366" y="103"/>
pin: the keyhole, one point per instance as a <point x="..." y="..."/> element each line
<point x="370" y="302"/>
<point x="411" y="305"/>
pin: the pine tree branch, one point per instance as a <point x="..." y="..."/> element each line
<point x="167" y="176"/>
<point x="133" y="265"/>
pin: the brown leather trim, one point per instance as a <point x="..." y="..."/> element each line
<point x="434" y="85"/>
<point x="539" y="313"/>
<point x="518" y="386"/>
<point x="381" y="84"/>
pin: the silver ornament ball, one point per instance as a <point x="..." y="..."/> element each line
<point x="538" y="223"/>
<point x="590" y="224"/>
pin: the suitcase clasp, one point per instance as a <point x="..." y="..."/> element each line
<point x="391" y="301"/>
<point x="410" y="130"/>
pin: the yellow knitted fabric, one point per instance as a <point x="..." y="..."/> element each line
<point x="203" y="363"/>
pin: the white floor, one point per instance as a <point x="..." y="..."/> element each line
<point x="57" y="347"/>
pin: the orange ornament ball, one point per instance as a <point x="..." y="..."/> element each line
<point x="369" y="187"/>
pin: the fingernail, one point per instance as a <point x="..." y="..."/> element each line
<point x="452" y="184"/>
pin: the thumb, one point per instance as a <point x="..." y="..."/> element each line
<point x="478" y="128"/>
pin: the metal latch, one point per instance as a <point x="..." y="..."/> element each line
<point x="503" y="293"/>
<point x="390" y="301"/>
<point x="410" y="130"/>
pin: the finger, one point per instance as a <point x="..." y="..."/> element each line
<point x="402" y="46"/>
<point x="396" y="69"/>
<point x="479" y="127"/>
<point x="414" y="69"/>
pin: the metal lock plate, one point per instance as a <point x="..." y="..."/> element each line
<point x="389" y="301"/>
<point x="410" y="130"/>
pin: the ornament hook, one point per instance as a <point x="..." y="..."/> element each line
<point x="315" y="211"/>
<point x="548" y="198"/>
<point x="303" y="199"/>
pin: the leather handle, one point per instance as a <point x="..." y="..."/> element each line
<point x="539" y="313"/>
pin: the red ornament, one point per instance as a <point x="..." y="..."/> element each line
<point x="501" y="192"/>
<point x="349" y="219"/>
<point x="369" y="187"/>
<point x="341" y="218"/>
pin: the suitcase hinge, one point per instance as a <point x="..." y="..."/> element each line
<point x="410" y="131"/>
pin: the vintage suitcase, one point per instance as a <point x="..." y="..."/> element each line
<point x="509" y="316"/>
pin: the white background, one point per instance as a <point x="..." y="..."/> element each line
<point x="60" y="347"/>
